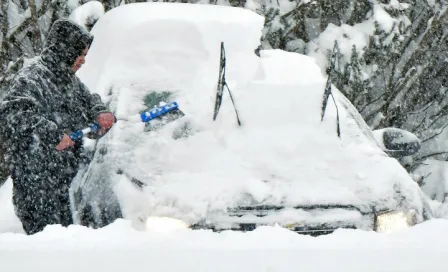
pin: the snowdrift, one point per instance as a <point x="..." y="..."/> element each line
<point x="119" y="248"/>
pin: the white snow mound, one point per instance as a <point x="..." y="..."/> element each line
<point x="119" y="248"/>
<point x="172" y="45"/>
<point x="283" y="154"/>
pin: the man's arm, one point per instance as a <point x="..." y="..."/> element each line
<point x="97" y="111"/>
<point x="23" y="119"/>
<point x="94" y="104"/>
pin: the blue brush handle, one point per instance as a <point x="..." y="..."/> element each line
<point x="77" y="135"/>
<point x="159" y="111"/>
<point x="144" y="116"/>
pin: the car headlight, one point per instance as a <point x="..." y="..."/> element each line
<point x="393" y="221"/>
<point x="164" y="224"/>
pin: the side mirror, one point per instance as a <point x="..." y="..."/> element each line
<point x="397" y="142"/>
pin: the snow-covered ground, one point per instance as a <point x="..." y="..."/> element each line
<point x="283" y="154"/>
<point x="119" y="247"/>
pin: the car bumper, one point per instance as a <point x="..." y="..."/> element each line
<point x="308" y="220"/>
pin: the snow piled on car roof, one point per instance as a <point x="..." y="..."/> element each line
<point x="171" y="45"/>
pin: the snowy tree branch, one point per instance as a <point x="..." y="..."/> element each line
<point x="418" y="111"/>
<point x="422" y="158"/>
<point x="5" y="26"/>
<point x="36" y="38"/>
<point x="435" y="135"/>
<point x="372" y="102"/>
<point x="421" y="124"/>
<point x="298" y="9"/>
<point x="28" y="22"/>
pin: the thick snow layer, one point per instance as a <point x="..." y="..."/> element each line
<point x="170" y="43"/>
<point x="282" y="154"/>
<point x="87" y="13"/>
<point x="119" y="247"/>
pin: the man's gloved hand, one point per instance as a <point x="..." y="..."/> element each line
<point x="106" y="120"/>
<point x="64" y="143"/>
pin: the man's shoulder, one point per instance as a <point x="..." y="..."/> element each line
<point x="26" y="80"/>
<point x="34" y="70"/>
<point x="32" y="75"/>
<point x="29" y="71"/>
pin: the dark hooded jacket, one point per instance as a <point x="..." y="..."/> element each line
<point x="46" y="100"/>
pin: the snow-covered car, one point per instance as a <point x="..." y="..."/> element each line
<point x="283" y="165"/>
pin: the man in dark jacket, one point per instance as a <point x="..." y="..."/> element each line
<point x="45" y="103"/>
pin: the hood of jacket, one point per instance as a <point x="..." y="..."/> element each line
<point x="65" y="42"/>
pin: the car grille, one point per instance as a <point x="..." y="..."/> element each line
<point x="314" y="229"/>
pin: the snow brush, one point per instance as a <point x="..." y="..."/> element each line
<point x="165" y="114"/>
